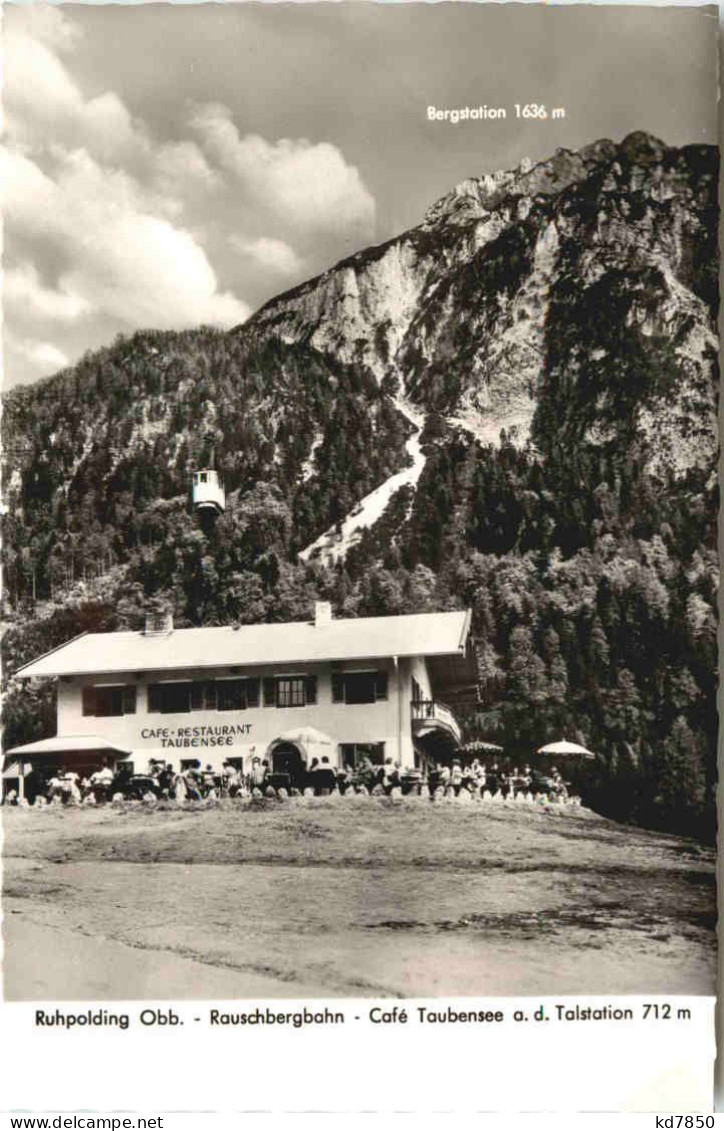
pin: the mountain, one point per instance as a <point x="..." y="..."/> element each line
<point x="512" y="406"/>
<point x="490" y="310"/>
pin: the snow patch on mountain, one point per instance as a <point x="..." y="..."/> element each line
<point x="335" y="543"/>
<point x="308" y="465"/>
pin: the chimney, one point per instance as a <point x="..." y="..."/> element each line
<point x="322" y="613"/>
<point x="159" y="622"/>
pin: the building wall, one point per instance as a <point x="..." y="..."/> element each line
<point x="245" y="733"/>
<point x="418" y="669"/>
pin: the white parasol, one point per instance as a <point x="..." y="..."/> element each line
<point x="310" y="741"/>
<point x="563" y="748"/>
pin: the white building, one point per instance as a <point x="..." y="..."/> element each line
<point x="373" y="685"/>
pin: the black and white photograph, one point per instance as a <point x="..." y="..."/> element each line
<point x="360" y="501"/>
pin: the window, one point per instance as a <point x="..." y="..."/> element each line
<point x="104" y="702"/>
<point x="203" y="695"/>
<point x="358" y="687"/>
<point x="354" y="753"/>
<point x="237" y="694"/>
<point x="416" y="691"/>
<point x="290" y="691"/>
<point x="169" y="698"/>
<point x="230" y="695"/>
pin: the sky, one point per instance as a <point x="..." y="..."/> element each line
<point x="167" y="166"/>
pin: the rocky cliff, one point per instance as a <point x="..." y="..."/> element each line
<point x="550" y="292"/>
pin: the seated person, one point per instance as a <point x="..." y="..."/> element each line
<point x="166" y="779"/>
<point x="516" y="782"/>
<point x="190" y="777"/>
<point x="258" y="772"/>
<point x="55" y="787"/>
<point x="35" y="786"/>
<point x="69" y="785"/>
<point x="324" y="775"/>
<point x="390" y="774"/>
<point x="539" y="781"/>
<point x="231" y="779"/>
<point x="102" y="777"/>
<point x="558" y="786"/>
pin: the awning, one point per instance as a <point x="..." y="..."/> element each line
<point x="68" y="744"/>
<point x="16" y="770"/>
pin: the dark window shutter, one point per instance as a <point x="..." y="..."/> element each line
<point x="311" y="689"/>
<point x="103" y="702"/>
<point x="337" y="687"/>
<point x="155" y="697"/>
<point x="381" y="685"/>
<point x="231" y="695"/>
<point x="252" y="692"/>
<point x="210" y="696"/>
<point x="270" y="692"/>
<point x="89" y="700"/>
<point x="360" y="687"/>
<point x="129" y="699"/>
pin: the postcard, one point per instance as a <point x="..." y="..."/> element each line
<point x="359" y="556"/>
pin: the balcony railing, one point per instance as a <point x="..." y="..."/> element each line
<point x="429" y="713"/>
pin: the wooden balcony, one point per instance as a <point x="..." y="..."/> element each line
<point x="430" y="714"/>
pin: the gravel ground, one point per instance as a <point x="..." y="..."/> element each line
<point x="361" y="897"/>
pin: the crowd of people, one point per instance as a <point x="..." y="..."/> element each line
<point x="194" y="782"/>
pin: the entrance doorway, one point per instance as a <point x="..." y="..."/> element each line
<point x="287" y="761"/>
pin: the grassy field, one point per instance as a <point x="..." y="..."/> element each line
<point x="356" y="897"/>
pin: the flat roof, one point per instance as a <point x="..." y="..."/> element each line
<point x="299" y="642"/>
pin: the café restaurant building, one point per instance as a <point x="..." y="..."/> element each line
<point x="341" y="688"/>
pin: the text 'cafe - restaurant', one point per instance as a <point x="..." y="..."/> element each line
<point x="376" y="686"/>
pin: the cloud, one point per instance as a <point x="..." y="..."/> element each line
<point x="49" y="25"/>
<point x="127" y="263"/>
<point x="42" y="358"/>
<point x="110" y="229"/>
<point x="268" y="254"/>
<point x="44" y="106"/>
<point x="307" y="187"/>
<point x="23" y="292"/>
<point x="27" y="194"/>
<point x="182" y="177"/>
